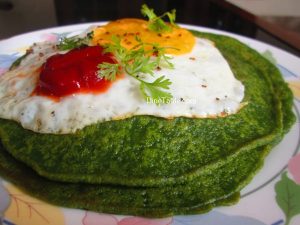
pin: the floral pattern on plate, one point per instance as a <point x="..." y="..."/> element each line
<point x="17" y="208"/>
<point x="288" y="190"/>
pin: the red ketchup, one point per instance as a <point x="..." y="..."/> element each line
<point x="73" y="72"/>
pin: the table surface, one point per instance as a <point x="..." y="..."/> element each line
<point x="269" y="7"/>
<point x="281" y="20"/>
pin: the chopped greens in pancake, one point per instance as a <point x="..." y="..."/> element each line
<point x="197" y="196"/>
<point x="152" y="151"/>
<point x="156" y="167"/>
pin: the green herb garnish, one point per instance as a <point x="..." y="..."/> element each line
<point x="74" y="42"/>
<point x="137" y="62"/>
<point x="18" y="61"/>
<point x="154" y="90"/>
<point x="156" y="23"/>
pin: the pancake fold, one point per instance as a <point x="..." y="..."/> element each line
<point x="154" y="167"/>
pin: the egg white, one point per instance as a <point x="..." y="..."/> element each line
<point x="203" y="85"/>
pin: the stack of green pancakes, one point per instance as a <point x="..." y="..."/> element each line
<point x="156" y="167"/>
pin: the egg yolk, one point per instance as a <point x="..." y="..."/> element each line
<point x="178" y="41"/>
<point x="76" y="70"/>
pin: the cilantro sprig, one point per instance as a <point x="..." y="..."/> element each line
<point x="156" y="23"/>
<point x="74" y="42"/>
<point x="138" y="62"/>
<point x="155" y="90"/>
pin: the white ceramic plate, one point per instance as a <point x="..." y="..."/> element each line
<point x="259" y="203"/>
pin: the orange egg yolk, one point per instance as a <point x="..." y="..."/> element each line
<point x="178" y="41"/>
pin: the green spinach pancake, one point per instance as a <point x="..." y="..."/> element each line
<point x="153" y="166"/>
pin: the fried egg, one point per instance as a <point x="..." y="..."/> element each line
<point x="202" y="86"/>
